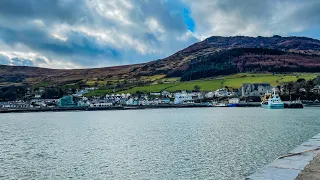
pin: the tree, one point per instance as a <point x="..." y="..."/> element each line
<point x="317" y="80"/>
<point x="309" y="85"/>
<point x="81" y="84"/>
<point x="109" y="83"/>
<point x="51" y="93"/>
<point x="197" y="88"/>
<point x="290" y="87"/>
<point x="301" y="80"/>
<point x="60" y="93"/>
<point x="1" y="96"/>
<point x="73" y="90"/>
<point x="10" y="95"/>
<point x="279" y="88"/>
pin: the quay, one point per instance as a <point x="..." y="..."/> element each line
<point x="61" y="109"/>
<point x="126" y="107"/>
<point x="302" y="163"/>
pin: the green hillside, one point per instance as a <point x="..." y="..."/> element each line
<point x="233" y="81"/>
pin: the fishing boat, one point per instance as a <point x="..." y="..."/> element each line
<point x="272" y="101"/>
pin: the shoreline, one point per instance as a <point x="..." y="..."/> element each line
<point x="63" y="109"/>
<point x="107" y="108"/>
<point x="291" y="165"/>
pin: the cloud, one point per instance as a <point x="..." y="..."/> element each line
<point x="253" y="18"/>
<point x="21" y="62"/>
<point x="94" y="33"/>
<point x="69" y="11"/>
<point x="5" y="60"/>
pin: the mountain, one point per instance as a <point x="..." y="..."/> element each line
<point x="213" y="56"/>
<point x="224" y="55"/>
<point x="33" y="75"/>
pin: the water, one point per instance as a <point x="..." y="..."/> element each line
<point x="197" y="143"/>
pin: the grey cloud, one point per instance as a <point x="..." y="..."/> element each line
<point x="248" y="8"/>
<point x="123" y="34"/>
<point x="77" y="45"/>
<point x="69" y="11"/>
<point x="254" y="17"/>
<point x="17" y="26"/>
<point x="166" y="13"/>
<point x="308" y="13"/>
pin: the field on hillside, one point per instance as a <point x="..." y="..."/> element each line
<point x="234" y="81"/>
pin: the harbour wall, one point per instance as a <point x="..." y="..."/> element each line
<point x="289" y="166"/>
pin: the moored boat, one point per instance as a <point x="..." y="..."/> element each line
<point x="272" y="101"/>
<point x="232" y="105"/>
<point x="220" y="105"/>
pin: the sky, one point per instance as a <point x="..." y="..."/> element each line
<point x="97" y="33"/>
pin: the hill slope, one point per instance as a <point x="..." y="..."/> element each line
<point x="211" y="57"/>
<point x="241" y="52"/>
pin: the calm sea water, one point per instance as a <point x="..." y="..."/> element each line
<point x="197" y="143"/>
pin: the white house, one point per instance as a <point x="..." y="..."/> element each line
<point x="155" y="93"/>
<point x="37" y="96"/>
<point x="316" y="89"/>
<point x="129" y="102"/>
<point x="234" y="101"/>
<point x="221" y="92"/>
<point x="166" y="93"/>
<point x="209" y="95"/>
<point x="180" y="98"/>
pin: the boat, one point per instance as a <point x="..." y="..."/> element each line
<point x="272" y="101"/>
<point x="232" y="105"/>
<point x="293" y="104"/>
<point x="233" y="102"/>
<point x="220" y="105"/>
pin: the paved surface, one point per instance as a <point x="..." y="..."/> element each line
<point x="291" y="166"/>
<point x="312" y="171"/>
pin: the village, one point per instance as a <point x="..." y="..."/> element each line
<point x="250" y="94"/>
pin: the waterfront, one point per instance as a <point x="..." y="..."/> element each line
<point x="189" y="143"/>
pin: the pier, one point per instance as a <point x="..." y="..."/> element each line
<point x="302" y="163"/>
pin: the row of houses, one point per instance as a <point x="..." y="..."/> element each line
<point x="183" y="97"/>
<point x="154" y="98"/>
<point x="15" y="105"/>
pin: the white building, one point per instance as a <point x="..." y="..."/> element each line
<point x="209" y="95"/>
<point x="14" y="105"/>
<point x="180" y="98"/>
<point x="155" y="93"/>
<point x="166" y="94"/>
<point x="130" y="102"/>
<point x="37" y="96"/>
<point x="221" y="92"/>
<point x="316" y="89"/>
<point x="234" y="101"/>
<point x="101" y="104"/>
<point x="255" y="89"/>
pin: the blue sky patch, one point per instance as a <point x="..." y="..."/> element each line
<point x="312" y="32"/>
<point x="188" y="20"/>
